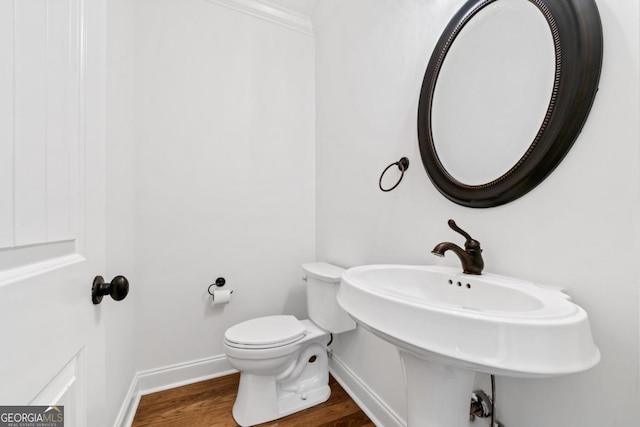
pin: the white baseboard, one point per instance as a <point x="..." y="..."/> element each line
<point x="370" y="403"/>
<point x="154" y="380"/>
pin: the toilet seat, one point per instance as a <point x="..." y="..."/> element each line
<point x="265" y="332"/>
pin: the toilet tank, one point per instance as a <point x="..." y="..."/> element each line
<point x="323" y="281"/>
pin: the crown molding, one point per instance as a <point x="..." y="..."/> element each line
<point x="271" y="13"/>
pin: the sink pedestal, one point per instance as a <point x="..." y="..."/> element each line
<point x="438" y="395"/>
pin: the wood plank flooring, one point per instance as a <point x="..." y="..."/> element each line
<point x="209" y="403"/>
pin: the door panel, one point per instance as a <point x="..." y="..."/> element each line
<point x="62" y="120"/>
<point x="52" y="205"/>
<point x="43" y="133"/>
<point x="30" y="122"/>
<point x="66" y="390"/>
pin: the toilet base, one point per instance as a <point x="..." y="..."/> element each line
<point x="257" y="401"/>
<point x="263" y="398"/>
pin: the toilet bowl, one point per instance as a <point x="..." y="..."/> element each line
<point x="283" y="361"/>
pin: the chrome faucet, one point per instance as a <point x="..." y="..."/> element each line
<point x="470" y="256"/>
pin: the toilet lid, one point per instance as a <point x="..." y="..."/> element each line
<point x="265" y="332"/>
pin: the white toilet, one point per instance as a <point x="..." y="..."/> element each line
<point x="282" y="360"/>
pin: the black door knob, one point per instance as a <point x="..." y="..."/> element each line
<point x="118" y="288"/>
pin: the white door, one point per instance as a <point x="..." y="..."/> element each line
<point x="52" y="205"/>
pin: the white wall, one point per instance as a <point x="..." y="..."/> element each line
<point x="225" y="172"/>
<point x="579" y="229"/>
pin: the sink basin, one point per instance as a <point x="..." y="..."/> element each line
<point x="488" y="323"/>
<point x="449" y="325"/>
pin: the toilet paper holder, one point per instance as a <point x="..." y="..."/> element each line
<point x="220" y="281"/>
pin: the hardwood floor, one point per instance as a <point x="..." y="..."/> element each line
<point x="209" y="403"/>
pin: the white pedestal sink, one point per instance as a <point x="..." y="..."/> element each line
<point x="448" y="325"/>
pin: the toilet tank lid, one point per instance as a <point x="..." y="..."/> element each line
<point x="324" y="271"/>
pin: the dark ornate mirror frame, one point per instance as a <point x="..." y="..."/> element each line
<point x="577" y="33"/>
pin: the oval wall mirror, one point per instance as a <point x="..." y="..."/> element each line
<point x="507" y="90"/>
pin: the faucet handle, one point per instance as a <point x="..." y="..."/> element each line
<point x="471" y="243"/>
